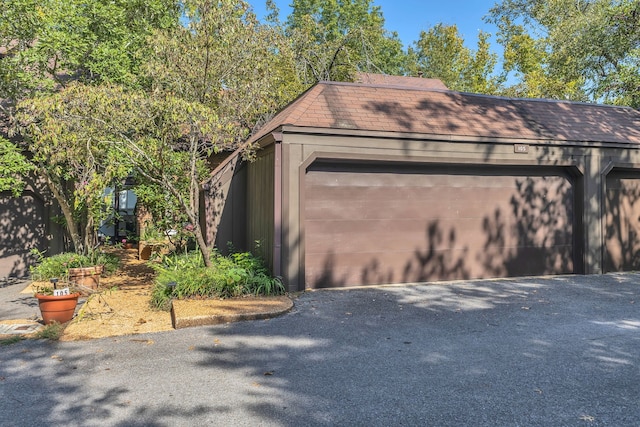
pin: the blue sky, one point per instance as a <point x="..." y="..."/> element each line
<point x="409" y="17"/>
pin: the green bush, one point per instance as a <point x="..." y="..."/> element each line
<point x="231" y="276"/>
<point x="59" y="265"/>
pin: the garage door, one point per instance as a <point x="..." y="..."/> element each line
<point x="373" y="224"/>
<point x="622" y="230"/>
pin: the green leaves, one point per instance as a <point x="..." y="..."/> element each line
<point x="49" y="42"/>
<point x="14" y="166"/>
<point x="569" y="49"/>
<point x="440" y="53"/>
<point x="334" y="39"/>
<point x="228" y="276"/>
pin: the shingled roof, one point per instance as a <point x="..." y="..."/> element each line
<point x="400" y="81"/>
<point x="439" y="112"/>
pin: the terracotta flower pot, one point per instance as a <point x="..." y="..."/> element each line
<point x="57" y="308"/>
<point x="86" y="276"/>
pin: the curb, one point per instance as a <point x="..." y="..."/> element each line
<point x="215" y="312"/>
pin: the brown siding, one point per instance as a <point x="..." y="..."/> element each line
<point x="622" y="221"/>
<point x="23" y="226"/>
<point x="372" y="224"/>
<point x="260" y="207"/>
<point x="224" y="203"/>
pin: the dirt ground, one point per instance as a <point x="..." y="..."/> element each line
<point x="122" y="306"/>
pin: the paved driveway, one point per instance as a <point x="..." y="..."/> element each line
<point x="15" y="305"/>
<point x="561" y="351"/>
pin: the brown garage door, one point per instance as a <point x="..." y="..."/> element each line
<point x="622" y="233"/>
<point x="374" y="224"/>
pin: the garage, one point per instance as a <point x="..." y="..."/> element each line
<point x="377" y="223"/>
<point x="622" y="222"/>
<point x="399" y="180"/>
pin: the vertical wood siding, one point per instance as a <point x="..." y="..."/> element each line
<point x="260" y="199"/>
<point x="224" y="207"/>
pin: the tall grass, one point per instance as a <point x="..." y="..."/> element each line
<point x="185" y="276"/>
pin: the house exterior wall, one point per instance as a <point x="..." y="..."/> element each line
<point x="260" y="205"/>
<point x="27" y="222"/>
<point x="589" y="165"/>
<point x="224" y="207"/>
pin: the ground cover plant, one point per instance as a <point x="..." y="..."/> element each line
<point x="51" y="332"/>
<point x="183" y="276"/>
<point x="10" y="340"/>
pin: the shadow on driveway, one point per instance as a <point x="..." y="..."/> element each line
<point x="534" y="352"/>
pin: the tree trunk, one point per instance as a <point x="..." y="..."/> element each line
<point x="194" y="205"/>
<point x="89" y="236"/>
<point x="194" y="217"/>
<point x="72" y="227"/>
<point x="204" y="249"/>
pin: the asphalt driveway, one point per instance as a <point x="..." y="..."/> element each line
<point x="561" y="351"/>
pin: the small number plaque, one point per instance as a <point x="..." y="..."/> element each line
<point x="61" y="292"/>
<point x="520" y="148"/>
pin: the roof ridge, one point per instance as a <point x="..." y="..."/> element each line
<point x="546" y="100"/>
<point x="477" y="95"/>
<point x="385" y="86"/>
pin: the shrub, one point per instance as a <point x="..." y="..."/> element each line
<point x="185" y="276"/>
<point x="59" y="265"/>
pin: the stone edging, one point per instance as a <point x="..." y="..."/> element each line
<point x="188" y="313"/>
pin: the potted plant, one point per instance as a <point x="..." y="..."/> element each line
<point x="82" y="270"/>
<point x="56" y="305"/>
<point x="88" y="276"/>
<point x="153" y="241"/>
<point x="131" y="241"/>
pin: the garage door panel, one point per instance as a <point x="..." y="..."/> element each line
<point x="622" y="226"/>
<point x="435" y="225"/>
<point x="367" y="269"/>
<point x="345" y="236"/>
<point x="377" y="201"/>
<point x="391" y="210"/>
<point x="418" y="203"/>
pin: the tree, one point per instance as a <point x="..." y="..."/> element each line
<point x="75" y="165"/>
<point x="440" y="53"/>
<point x="576" y="49"/>
<point x="226" y="62"/>
<point x="334" y="39"/>
<point x="93" y="135"/>
<point x="45" y="45"/>
<point x="210" y="84"/>
<point x="528" y="58"/>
